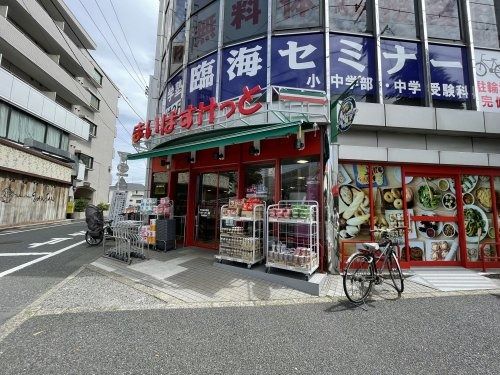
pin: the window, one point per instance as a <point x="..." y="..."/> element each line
<point x="177" y="51"/>
<point x="4" y="117"/>
<point x="204" y="32"/>
<point x="293" y="14"/>
<point x="179" y="14"/>
<point x="64" y="141"/>
<point x="260" y="182"/>
<point x="97" y="76"/>
<point x="443" y="20"/>
<point x="87" y="160"/>
<point x="198" y="4"/>
<point x="398" y="18"/>
<point x="22" y="126"/>
<point x="300" y="179"/>
<point x="53" y="137"/>
<point x="244" y="19"/>
<point x="485" y="16"/>
<point x="93" y="130"/>
<point x="94" y="101"/>
<point x="352" y="15"/>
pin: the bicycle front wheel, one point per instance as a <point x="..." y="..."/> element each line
<point x="358" y="278"/>
<point x="396" y="274"/>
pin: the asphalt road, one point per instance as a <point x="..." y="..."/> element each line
<point x="23" y="286"/>
<point x="452" y="335"/>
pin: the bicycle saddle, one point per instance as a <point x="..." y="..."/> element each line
<point x="371" y="246"/>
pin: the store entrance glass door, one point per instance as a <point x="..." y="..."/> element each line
<point x="214" y="190"/>
<point x="433" y="214"/>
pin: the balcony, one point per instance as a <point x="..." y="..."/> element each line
<point x="27" y="56"/>
<point x="20" y="94"/>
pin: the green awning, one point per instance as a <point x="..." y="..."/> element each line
<point x="223" y="137"/>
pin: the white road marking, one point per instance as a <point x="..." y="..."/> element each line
<point x="30" y="230"/>
<point x="21" y="254"/>
<point x="53" y="241"/>
<point x="20" y="267"/>
<point x="80" y="233"/>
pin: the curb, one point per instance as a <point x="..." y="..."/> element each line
<point x="41" y="223"/>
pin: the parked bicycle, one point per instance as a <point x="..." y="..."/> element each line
<point x="98" y="227"/>
<point x="362" y="271"/>
<point x="484" y="66"/>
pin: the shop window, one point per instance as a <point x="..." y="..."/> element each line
<point x="479" y="225"/>
<point x="295" y="14"/>
<point x="177" y="51"/>
<point x="492" y="234"/>
<point x="260" y="182"/>
<point x="485" y="16"/>
<point x="179" y="14"/>
<point x="351" y="15"/>
<point x="354" y="206"/>
<point x="398" y="18"/>
<point x="204" y="32"/>
<point x="160" y="184"/>
<point x="244" y="19"/>
<point x="181" y="194"/>
<point x="443" y="21"/>
<point x="300" y="179"/>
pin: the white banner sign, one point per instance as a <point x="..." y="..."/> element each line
<point x="488" y="80"/>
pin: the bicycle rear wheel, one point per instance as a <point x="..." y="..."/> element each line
<point x="358" y="278"/>
<point x="93" y="241"/>
<point x="396" y="274"/>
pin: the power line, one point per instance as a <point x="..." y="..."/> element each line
<point x="119" y="45"/>
<point x="126" y="40"/>
<point x="109" y="45"/>
<point x="79" y="62"/>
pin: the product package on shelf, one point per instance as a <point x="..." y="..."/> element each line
<point x="248" y="206"/>
<point x="300" y="258"/>
<point x="165" y="207"/>
<point x="293" y="211"/>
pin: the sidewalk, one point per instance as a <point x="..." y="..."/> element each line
<point x="188" y="278"/>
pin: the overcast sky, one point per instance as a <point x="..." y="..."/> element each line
<point x="139" y="20"/>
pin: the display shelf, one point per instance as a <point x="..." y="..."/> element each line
<point x="242" y="237"/>
<point x="290" y="221"/>
<point x="241" y="218"/>
<point x="292" y="236"/>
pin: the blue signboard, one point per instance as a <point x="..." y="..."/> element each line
<point x="352" y="57"/>
<point x="243" y="65"/>
<point x="449" y="79"/>
<point x="298" y="61"/>
<point x="201" y="80"/>
<point x="402" y="70"/>
<point x="174" y="92"/>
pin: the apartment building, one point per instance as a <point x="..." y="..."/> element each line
<point x="58" y="113"/>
